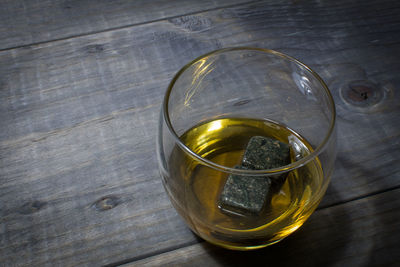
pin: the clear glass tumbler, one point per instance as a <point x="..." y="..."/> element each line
<point x="212" y="109"/>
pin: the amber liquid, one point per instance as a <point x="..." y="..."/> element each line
<point x="195" y="188"/>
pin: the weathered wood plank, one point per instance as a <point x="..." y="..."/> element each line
<point x="26" y="22"/>
<point x="78" y="122"/>
<point x="96" y="207"/>
<point x="359" y="233"/>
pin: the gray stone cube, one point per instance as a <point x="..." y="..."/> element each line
<point x="243" y="194"/>
<point x="247" y="195"/>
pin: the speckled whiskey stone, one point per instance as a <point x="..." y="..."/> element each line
<point x="264" y="153"/>
<point x="244" y="194"/>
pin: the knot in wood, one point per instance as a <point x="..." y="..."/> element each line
<point x="192" y="23"/>
<point x="106" y="203"/>
<point x="31" y="207"/>
<point x="362" y="94"/>
<point x="95" y="48"/>
<point x="242" y="102"/>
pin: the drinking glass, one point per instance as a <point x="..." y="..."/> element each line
<point x="212" y="109"/>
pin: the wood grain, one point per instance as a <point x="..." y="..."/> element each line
<point x="78" y="120"/>
<point x="357" y="233"/>
<point x="25" y="22"/>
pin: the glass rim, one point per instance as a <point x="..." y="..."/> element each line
<point x="266" y="172"/>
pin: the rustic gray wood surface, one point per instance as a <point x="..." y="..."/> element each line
<point x="25" y="22"/>
<point x="350" y="234"/>
<point x="80" y="95"/>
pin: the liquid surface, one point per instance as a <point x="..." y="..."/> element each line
<point x="197" y="188"/>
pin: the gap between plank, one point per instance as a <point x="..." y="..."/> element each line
<point x="155" y="253"/>
<point x="359" y="197"/>
<point x="125" y="26"/>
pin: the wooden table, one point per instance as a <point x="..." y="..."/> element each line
<point x="81" y="83"/>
